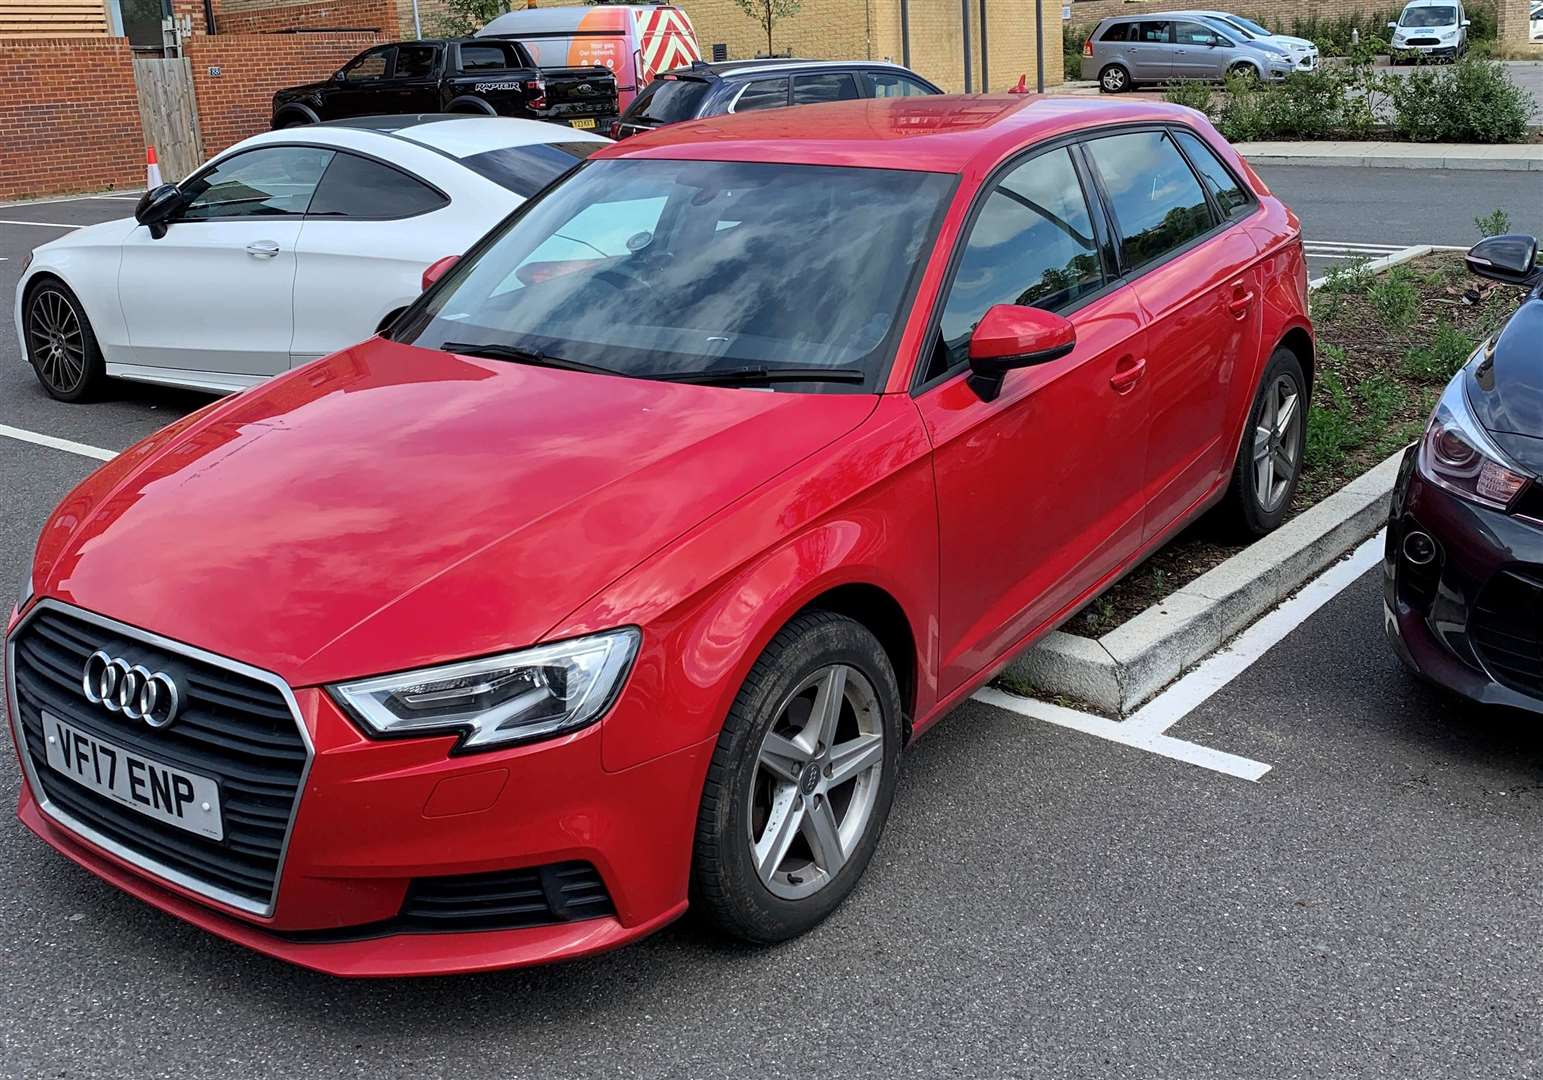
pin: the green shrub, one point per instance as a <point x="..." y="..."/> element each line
<point x="1331" y="428"/>
<point x="1438" y="360"/>
<point x="1470" y="101"/>
<point x="1394" y="299"/>
<point x="1072" y="38"/>
<point x="1191" y="93"/>
<point x="1495" y="223"/>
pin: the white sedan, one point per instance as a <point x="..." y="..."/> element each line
<point x="286" y="247"/>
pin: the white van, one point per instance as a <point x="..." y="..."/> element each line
<point x="636" y="41"/>
<point x="1433" y="27"/>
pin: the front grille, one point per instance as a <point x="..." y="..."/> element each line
<point x="232" y="727"/>
<point x="1423" y="41"/>
<point x="506" y="899"/>
<point x="1506" y="628"/>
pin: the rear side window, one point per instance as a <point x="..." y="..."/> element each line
<point x="1118" y="32"/>
<point x="355" y="187"/>
<point x="1153" y="33"/>
<point x="1227" y="189"/>
<point x="668" y="101"/>
<point x="763" y="94"/>
<point x="1158" y="204"/>
<point x="1032" y="245"/>
<point x="834" y="86"/>
<point x="888" y="84"/>
<point x="490" y="57"/>
<point x="415" y="61"/>
<point x="525" y="170"/>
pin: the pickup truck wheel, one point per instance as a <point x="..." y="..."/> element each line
<point x="801" y="781"/>
<point x="61" y="346"/>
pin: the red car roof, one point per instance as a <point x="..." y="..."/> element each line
<point x="927" y="134"/>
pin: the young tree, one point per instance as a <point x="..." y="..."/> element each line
<point x="768" y="13"/>
<point x="462" y="17"/>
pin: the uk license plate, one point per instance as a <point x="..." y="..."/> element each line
<point x="585" y="124"/>
<point x="177" y="797"/>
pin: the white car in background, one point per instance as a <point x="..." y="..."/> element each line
<point x="1302" y="52"/>
<point x="284" y="248"/>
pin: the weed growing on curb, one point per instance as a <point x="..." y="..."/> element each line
<point x="1495" y="223"/>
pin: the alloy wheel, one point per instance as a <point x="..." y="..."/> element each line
<point x="1114" y="80"/>
<point x="816" y="781"/>
<point x="57" y="341"/>
<point x="1277" y="443"/>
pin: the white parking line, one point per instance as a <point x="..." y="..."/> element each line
<point x="43" y="224"/>
<point x="1147" y="727"/>
<point x="54" y="443"/>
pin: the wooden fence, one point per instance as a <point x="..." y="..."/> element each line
<point x="169" y="113"/>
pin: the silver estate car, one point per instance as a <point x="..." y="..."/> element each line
<point x="1128" y="50"/>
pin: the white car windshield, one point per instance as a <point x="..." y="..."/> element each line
<point x="1429" y="16"/>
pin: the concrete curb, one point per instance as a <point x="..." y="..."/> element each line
<point x="1409" y="156"/>
<point x="1117" y="672"/>
<point x="1125" y="667"/>
<point x="1386" y="261"/>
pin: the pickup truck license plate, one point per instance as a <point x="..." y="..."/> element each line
<point x="586" y="124"/>
<point x="168" y="794"/>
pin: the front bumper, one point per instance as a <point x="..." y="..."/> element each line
<point x="1438" y="51"/>
<point x="375" y="817"/>
<point x="1439" y="617"/>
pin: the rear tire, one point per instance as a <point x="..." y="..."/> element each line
<point x="61" y="346"/>
<point x="1114" y="79"/>
<point x="801" y="781"/>
<point x="1269" y="462"/>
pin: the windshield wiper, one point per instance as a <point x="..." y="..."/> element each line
<point x="760" y="374"/>
<point x="494" y="351"/>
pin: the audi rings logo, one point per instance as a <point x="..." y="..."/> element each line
<point x="133" y="690"/>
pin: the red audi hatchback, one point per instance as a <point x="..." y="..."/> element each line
<point x="619" y="572"/>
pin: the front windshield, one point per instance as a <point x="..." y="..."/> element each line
<point x="676" y="268"/>
<point x="1429" y="16"/>
<point x="1249" y="25"/>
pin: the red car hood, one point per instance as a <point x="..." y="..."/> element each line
<point x="389" y="507"/>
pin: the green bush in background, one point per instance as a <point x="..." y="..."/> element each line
<point x="1469" y="101"/>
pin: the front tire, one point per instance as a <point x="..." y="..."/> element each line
<point x="801" y="781"/>
<point x="61" y="346"/>
<point x="1113" y="80"/>
<point x="1269" y="462"/>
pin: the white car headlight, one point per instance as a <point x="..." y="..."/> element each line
<point x="499" y="700"/>
<point x="1458" y="455"/>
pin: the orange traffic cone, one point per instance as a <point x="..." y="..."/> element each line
<point x="152" y="170"/>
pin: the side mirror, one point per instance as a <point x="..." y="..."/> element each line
<point x="1467" y="22"/>
<point x="1511" y="258"/>
<point x="1008" y="337"/>
<point x="337" y="76"/>
<point x="156" y="207"/>
<point x="437" y="269"/>
<point x="1392" y="26"/>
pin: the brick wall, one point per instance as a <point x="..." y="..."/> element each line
<point x="238" y="103"/>
<point x="266" y="16"/>
<point x="870" y="30"/>
<point x="64" y="133"/>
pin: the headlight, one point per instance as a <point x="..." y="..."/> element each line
<point x="499" y="700"/>
<point x="1456" y="454"/>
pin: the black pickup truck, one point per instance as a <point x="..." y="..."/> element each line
<point x="495" y="78"/>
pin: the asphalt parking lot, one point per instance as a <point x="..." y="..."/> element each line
<point x="1045" y="902"/>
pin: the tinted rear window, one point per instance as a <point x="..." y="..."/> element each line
<point x="1227" y="189"/>
<point x="668" y="101"/>
<point x="525" y="170"/>
<point x="1118" y="32"/>
<point x="355" y="187"/>
<point x="490" y="57"/>
<point x="1157" y="202"/>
